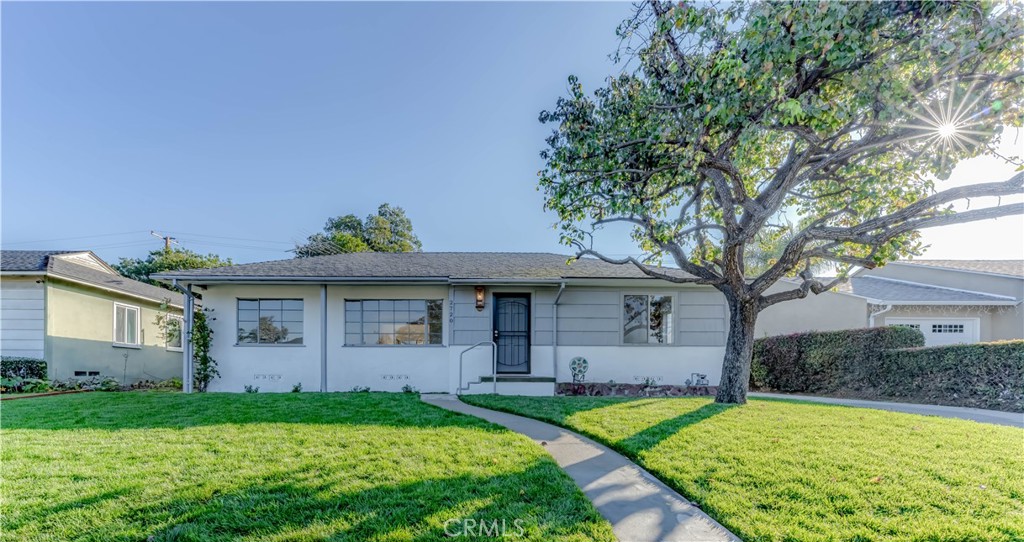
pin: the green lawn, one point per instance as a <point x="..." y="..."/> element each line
<point x="287" y="467"/>
<point x="784" y="470"/>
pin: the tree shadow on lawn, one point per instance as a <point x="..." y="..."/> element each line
<point x="307" y="507"/>
<point x="655" y="434"/>
<point x="143" y="410"/>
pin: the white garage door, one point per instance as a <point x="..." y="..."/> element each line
<point x="939" y="331"/>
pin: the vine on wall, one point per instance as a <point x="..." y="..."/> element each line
<point x="204" y="366"/>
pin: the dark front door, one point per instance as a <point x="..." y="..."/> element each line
<point x="512" y="332"/>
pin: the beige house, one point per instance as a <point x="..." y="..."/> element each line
<point x="950" y="301"/>
<point x="76" y="312"/>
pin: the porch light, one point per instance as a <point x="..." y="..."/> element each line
<point x="479" y="298"/>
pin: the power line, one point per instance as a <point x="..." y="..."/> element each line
<point x="231" y="238"/>
<point x="74" y="238"/>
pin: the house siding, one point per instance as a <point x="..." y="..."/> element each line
<point x="22" y="317"/>
<point x="79" y="336"/>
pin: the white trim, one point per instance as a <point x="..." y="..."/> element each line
<point x="138" y="327"/>
<point x="957" y="270"/>
<point x="181" y="336"/>
<point x="622" y="307"/>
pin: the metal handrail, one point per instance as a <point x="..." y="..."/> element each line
<point x="494" y="366"/>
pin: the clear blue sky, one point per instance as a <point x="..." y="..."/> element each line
<point x="241" y="127"/>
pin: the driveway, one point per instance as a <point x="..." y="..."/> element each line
<point x="1014" y="419"/>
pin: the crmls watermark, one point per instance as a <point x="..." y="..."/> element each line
<point x="493" y="528"/>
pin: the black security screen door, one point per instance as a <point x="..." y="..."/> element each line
<point x="512" y="332"/>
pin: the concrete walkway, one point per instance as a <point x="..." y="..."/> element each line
<point x="977" y="414"/>
<point x="639" y="507"/>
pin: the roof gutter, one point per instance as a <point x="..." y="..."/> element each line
<point x="871" y="317"/>
<point x="554" y="332"/>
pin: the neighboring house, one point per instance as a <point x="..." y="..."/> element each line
<point x="950" y="301"/>
<point x="76" y="312"/>
<point x="384" y="321"/>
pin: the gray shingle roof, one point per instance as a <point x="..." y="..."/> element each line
<point x="28" y="260"/>
<point x="423" y="265"/>
<point x="892" y="291"/>
<point x="64" y="268"/>
<point x="1013" y="268"/>
<point x="43" y="261"/>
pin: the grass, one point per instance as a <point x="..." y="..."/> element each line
<point x="784" y="470"/>
<point x="274" y="467"/>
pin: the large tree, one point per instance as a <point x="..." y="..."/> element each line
<point x="166" y="259"/>
<point x="389" y="230"/>
<point x="734" y="118"/>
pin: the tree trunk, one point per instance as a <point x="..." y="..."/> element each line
<point x="739" y="348"/>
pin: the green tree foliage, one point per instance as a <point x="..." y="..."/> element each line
<point x="837" y="116"/>
<point x="166" y="260"/>
<point x="389" y="230"/>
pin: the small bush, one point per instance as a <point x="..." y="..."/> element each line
<point x="297" y="388"/>
<point x="251" y="389"/>
<point x="408" y="389"/>
<point x="16" y="367"/>
<point x="96" y="383"/>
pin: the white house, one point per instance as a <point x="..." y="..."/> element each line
<point x="442" y="322"/>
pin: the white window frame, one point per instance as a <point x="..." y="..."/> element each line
<point x="622" y="318"/>
<point x="138" y="326"/>
<point x="181" y="334"/>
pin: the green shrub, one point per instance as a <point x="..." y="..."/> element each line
<point x="891" y="363"/>
<point x="823" y="362"/>
<point x="984" y="375"/>
<point x="16" y="367"/>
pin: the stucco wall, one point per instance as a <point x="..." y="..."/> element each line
<point x="828" y="311"/>
<point x="22" y="310"/>
<point x="384" y="368"/>
<point x="80" y="334"/>
<point x="272" y="368"/>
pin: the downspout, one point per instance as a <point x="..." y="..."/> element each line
<point x="871" y="317"/>
<point x="323" y="337"/>
<point x="554" y="332"/>
<point x="186" y="336"/>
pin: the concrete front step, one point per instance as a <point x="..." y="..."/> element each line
<point x="518" y="378"/>
<point x="538" y="386"/>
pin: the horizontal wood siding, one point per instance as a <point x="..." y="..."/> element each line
<point x="592" y="316"/>
<point x="22" y="318"/>
<point x="702" y="318"/>
<point x="469" y="326"/>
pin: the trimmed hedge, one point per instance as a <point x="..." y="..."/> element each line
<point x="16" y="367"/>
<point x="891" y="363"/>
<point x="823" y="362"/>
<point x="985" y="375"/>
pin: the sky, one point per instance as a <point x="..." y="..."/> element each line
<point x="239" y="128"/>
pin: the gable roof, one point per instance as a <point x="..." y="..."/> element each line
<point x="898" y="292"/>
<point x="440" y="266"/>
<point x="28" y="260"/>
<point x="1013" y="268"/>
<point x="51" y="263"/>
